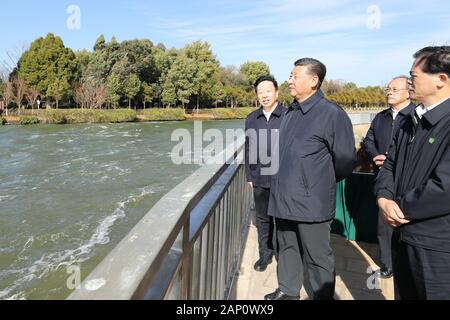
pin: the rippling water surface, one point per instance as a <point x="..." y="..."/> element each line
<point x="69" y="194"/>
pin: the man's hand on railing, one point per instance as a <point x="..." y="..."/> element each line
<point x="392" y="214"/>
<point x="251" y="184"/>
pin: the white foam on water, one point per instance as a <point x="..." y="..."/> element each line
<point x="53" y="261"/>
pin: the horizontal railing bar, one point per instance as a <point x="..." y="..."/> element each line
<point x="202" y="212"/>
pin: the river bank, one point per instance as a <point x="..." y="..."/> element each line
<point x="77" y="116"/>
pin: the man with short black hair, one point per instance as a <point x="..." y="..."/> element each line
<point x="262" y="128"/>
<point x="378" y="139"/>
<point x="413" y="186"/>
<point x="316" y="150"/>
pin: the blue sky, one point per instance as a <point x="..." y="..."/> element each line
<point x="366" y="42"/>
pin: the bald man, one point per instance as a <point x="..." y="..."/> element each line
<point x="379" y="137"/>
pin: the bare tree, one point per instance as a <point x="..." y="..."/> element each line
<point x="8" y="95"/>
<point x="101" y="94"/>
<point x="79" y="96"/>
<point x="13" y="56"/>
<point x="32" y="95"/>
<point x="20" y="88"/>
<point x="88" y="95"/>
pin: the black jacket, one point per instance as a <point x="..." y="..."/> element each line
<point x="317" y="149"/>
<point x="416" y="175"/>
<point x="383" y="128"/>
<point x="259" y="144"/>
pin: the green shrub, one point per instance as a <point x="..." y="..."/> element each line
<point x="74" y="116"/>
<point x="27" y="120"/>
<point x="223" y="113"/>
<point x="229" y="113"/>
<point x="54" y="116"/>
<point x="242" y="113"/>
<point x="164" y="115"/>
<point x="114" y="116"/>
<point x="2" y="121"/>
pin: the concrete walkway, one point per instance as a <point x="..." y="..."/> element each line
<point x="353" y="277"/>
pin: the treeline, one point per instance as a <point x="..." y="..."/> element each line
<point x="138" y="74"/>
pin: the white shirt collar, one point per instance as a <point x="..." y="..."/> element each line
<point x="394" y="113"/>
<point x="267" y="114"/>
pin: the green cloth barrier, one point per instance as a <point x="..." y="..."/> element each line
<point x="356" y="209"/>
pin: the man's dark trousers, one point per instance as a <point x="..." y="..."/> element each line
<point x="384" y="234"/>
<point x="419" y="273"/>
<point x="264" y="223"/>
<point x="305" y="258"/>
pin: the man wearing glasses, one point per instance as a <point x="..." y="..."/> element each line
<point x="413" y="186"/>
<point x="377" y="142"/>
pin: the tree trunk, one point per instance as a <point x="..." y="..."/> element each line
<point x="57" y="104"/>
<point x="129" y="103"/>
<point x="198" y="103"/>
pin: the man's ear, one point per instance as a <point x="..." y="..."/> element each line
<point x="314" y="82"/>
<point x="443" y="80"/>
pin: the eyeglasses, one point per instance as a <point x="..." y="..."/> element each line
<point x="294" y="76"/>
<point x="298" y="76"/>
<point x="394" y="90"/>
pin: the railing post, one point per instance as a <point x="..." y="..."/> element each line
<point x="186" y="263"/>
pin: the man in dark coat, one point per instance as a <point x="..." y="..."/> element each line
<point x="377" y="142"/>
<point x="316" y="150"/>
<point x="262" y="128"/>
<point x="413" y="186"/>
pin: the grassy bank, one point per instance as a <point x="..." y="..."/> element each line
<point x="162" y="115"/>
<point x="73" y="116"/>
<point x="227" y="113"/>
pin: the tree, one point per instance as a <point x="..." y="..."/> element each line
<point x="47" y="62"/>
<point x="218" y="93"/>
<point x="2" y="88"/>
<point x="20" y="89"/>
<point x="32" y="95"/>
<point x="101" y="95"/>
<point x="83" y="58"/>
<point x="253" y="70"/>
<point x="100" y="43"/>
<point x="131" y="88"/>
<point x="164" y="60"/>
<point x="168" y="95"/>
<point x="8" y="95"/>
<point x="283" y="94"/>
<point x="147" y="93"/>
<point x="58" y="90"/>
<point x="181" y="76"/>
<point x="203" y="64"/>
<point x="113" y="88"/>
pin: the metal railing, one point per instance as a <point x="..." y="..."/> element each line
<point x="188" y="246"/>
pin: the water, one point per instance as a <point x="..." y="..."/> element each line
<point x="69" y="194"/>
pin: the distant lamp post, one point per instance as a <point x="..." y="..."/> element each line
<point x="38" y="103"/>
